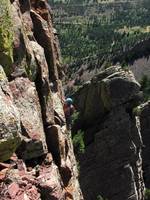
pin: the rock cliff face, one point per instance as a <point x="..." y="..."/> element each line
<point x="36" y="153"/>
<point x="143" y="111"/>
<point x="111" y="165"/>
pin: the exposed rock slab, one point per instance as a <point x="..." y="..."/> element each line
<point x="9" y="120"/>
<point x="27" y="101"/>
<point x="43" y="84"/>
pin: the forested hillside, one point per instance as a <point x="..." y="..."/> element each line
<point x="102" y="32"/>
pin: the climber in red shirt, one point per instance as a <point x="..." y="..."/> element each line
<point x="68" y="110"/>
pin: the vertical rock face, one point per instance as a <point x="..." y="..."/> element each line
<point x="9" y="120"/>
<point x="27" y="101"/>
<point x="31" y="108"/>
<point x="144" y="112"/>
<point x="6" y="36"/>
<point x="111" y="165"/>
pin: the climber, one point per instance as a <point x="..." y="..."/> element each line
<point x="68" y="110"/>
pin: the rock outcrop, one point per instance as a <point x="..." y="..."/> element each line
<point x="10" y="128"/>
<point x="36" y="153"/>
<point x="27" y="101"/>
<point x="111" y="165"/>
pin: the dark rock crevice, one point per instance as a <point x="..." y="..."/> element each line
<point x="43" y="36"/>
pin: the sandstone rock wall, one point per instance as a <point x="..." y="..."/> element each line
<point x="111" y="165"/>
<point x="32" y="123"/>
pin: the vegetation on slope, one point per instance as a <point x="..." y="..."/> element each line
<point x="100" y="30"/>
<point x="6" y="35"/>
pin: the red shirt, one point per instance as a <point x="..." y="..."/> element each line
<point x="68" y="110"/>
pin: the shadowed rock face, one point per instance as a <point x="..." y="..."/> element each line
<point x="144" y="112"/>
<point x="31" y="109"/>
<point x="111" y="165"/>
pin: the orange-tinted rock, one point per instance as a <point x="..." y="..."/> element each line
<point x="27" y="101"/>
<point x="35" y="82"/>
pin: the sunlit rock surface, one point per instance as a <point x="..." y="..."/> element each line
<point x="36" y="153"/>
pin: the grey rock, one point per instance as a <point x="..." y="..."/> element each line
<point x="111" y="165"/>
<point x="9" y="120"/>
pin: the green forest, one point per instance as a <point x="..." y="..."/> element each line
<point x="101" y="31"/>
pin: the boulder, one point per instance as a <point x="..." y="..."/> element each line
<point x="118" y="88"/>
<point x="110" y="88"/>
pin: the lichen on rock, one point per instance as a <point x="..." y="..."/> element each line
<point x="9" y="120"/>
<point x="6" y="36"/>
